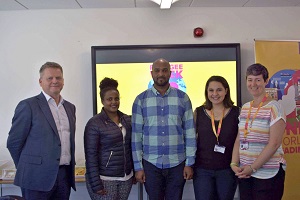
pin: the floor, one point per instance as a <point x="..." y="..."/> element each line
<point x="82" y="194"/>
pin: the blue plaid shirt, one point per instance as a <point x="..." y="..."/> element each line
<point x="163" y="130"/>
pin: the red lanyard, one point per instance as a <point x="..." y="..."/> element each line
<point x="249" y="113"/>
<point x="213" y="124"/>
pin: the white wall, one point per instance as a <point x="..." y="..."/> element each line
<point x="30" y="38"/>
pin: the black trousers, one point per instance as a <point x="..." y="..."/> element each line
<point x="262" y="189"/>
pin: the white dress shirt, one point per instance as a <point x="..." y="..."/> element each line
<point x="63" y="127"/>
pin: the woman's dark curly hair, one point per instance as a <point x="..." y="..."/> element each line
<point x="107" y="84"/>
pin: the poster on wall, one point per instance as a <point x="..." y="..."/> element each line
<point x="282" y="58"/>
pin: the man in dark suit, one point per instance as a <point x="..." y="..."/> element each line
<point x="41" y="140"/>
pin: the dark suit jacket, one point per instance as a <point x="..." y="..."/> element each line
<point x="35" y="146"/>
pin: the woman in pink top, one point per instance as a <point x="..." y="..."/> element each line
<point x="257" y="158"/>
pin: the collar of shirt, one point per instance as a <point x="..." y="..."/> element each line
<point x="154" y="90"/>
<point x="49" y="97"/>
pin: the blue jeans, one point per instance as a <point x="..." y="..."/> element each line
<point x="214" y="184"/>
<point x="164" y="184"/>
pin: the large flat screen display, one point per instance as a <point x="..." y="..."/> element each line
<point x="191" y="66"/>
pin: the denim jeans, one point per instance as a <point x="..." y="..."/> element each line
<point x="164" y="184"/>
<point x="214" y="184"/>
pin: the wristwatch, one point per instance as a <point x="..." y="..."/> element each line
<point x="253" y="170"/>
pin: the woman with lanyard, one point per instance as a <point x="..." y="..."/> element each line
<point x="217" y="127"/>
<point x="257" y="158"/>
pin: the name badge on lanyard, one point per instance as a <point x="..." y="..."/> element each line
<point x="219" y="148"/>
<point x="244" y="145"/>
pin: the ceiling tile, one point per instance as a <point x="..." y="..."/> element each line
<point x="107" y="3"/>
<point x="49" y="4"/>
<point x="272" y="3"/>
<point x="218" y="3"/>
<point x="182" y="3"/>
<point x="146" y="4"/>
<point x="10" y="5"/>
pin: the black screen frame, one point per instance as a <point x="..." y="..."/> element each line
<point x="170" y="52"/>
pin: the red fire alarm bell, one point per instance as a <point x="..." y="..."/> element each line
<point x="198" y="32"/>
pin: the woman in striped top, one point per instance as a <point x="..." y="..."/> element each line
<point x="257" y="158"/>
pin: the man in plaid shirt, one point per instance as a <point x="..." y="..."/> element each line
<point x="163" y="136"/>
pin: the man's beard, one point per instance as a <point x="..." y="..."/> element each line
<point x="161" y="83"/>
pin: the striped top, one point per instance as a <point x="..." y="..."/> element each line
<point x="258" y="137"/>
<point x="163" y="130"/>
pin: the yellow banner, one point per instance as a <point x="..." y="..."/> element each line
<point x="282" y="58"/>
